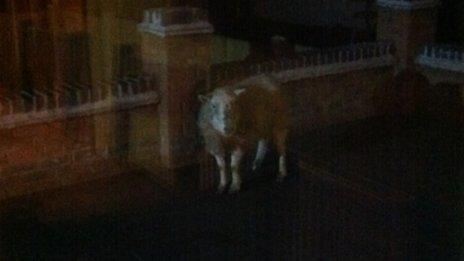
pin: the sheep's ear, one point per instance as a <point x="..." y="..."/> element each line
<point x="238" y="91"/>
<point x="203" y="98"/>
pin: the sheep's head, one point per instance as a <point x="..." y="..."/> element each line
<point x="224" y="110"/>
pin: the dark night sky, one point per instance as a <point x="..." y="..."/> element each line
<point x="451" y="22"/>
<point x="450" y="27"/>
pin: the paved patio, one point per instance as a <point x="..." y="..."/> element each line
<point x="388" y="189"/>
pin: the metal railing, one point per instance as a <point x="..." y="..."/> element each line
<point x="444" y="57"/>
<point x="76" y="99"/>
<point x="313" y="64"/>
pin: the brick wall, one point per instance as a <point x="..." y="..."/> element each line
<point x="334" y="99"/>
<point x="30" y="144"/>
<point x="54" y="154"/>
<point x="409" y="31"/>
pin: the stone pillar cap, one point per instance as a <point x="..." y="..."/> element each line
<point x="171" y="21"/>
<point x="408" y="4"/>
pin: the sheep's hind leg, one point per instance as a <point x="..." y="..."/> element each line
<point x="282" y="168"/>
<point x="260" y="153"/>
<point x="235" y="162"/>
<point x="221" y="162"/>
<point x="281" y="143"/>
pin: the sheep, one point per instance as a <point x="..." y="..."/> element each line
<point x="236" y="118"/>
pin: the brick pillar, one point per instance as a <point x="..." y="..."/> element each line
<point x="179" y="60"/>
<point x="409" y="25"/>
<point x="9" y="47"/>
<point x="103" y="28"/>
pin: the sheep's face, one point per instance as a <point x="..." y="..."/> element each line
<point x="224" y="111"/>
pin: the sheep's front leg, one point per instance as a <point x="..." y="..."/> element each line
<point x="260" y="153"/>
<point x="235" y="162"/>
<point x="221" y="162"/>
<point x="281" y="138"/>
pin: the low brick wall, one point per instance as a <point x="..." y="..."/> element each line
<point x="31" y="144"/>
<point x="49" y="155"/>
<point x="335" y="99"/>
<point x="326" y="87"/>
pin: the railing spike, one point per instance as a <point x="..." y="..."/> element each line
<point x="120" y="93"/>
<point x="10" y="105"/>
<point x="130" y="90"/>
<point x="44" y="98"/>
